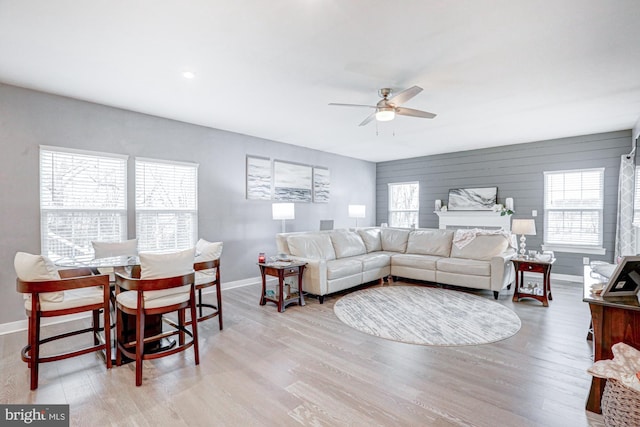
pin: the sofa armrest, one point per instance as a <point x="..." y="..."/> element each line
<point x="502" y="272"/>
<point x="314" y="277"/>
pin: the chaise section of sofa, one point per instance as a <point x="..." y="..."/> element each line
<point x="342" y="259"/>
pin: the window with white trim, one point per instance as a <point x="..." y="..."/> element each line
<point x="83" y="197"/>
<point x="166" y="205"/>
<point x="404" y="202"/>
<point x="573" y="208"/>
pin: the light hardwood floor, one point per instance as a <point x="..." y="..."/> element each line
<point x="305" y="367"/>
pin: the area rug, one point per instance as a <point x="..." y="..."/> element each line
<point x="427" y="316"/>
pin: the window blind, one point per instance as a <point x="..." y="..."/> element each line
<point x="166" y="205"/>
<point x="82" y="198"/>
<point x="404" y="204"/>
<point x="573" y="203"/>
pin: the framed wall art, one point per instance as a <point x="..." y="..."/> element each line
<point x="258" y="178"/>
<point x="292" y="182"/>
<point x="472" y="199"/>
<point x="321" y="185"/>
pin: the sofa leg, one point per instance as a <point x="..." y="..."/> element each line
<point x="385" y="279"/>
<point x="495" y="294"/>
<point x="321" y="299"/>
<point x="509" y="286"/>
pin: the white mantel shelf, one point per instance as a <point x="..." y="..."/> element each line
<point x="470" y="219"/>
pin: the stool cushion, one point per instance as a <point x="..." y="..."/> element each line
<point x="73" y="298"/>
<point x="129" y="299"/>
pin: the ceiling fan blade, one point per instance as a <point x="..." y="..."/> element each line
<point x="352" y="105"/>
<point x="404" y="96"/>
<point x="369" y="118"/>
<point x="414" y="113"/>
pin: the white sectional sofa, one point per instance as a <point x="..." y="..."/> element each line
<point x="341" y="259"/>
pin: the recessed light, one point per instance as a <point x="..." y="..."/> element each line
<point x="188" y="74"/>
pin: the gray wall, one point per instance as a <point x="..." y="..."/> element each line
<point x="517" y="171"/>
<point x="29" y="119"/>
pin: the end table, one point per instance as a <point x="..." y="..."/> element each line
<point x="533" y="266"/>
<point x="281" y="270"/>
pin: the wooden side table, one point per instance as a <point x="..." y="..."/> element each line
<point x="533" y="266"/>
<point x="282" y="270"/>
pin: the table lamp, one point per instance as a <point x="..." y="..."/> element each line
<point x="357" y="211"/>
<point x="283" y="211"/>
<point x="524" y="227"/>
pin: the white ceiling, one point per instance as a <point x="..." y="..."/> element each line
<point x="495" y="71"/>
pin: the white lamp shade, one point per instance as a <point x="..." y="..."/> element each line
<point x="524" y="226"/>
<point x="357" y="211"/>
<point x="283" y="211"/>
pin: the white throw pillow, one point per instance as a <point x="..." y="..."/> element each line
<point x="208" y="251"/>
<point x="32" y="268"/>
<point x="158" y="266"/>
<point x="110" y="249"/>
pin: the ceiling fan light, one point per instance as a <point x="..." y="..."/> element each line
<point x="385" y="114"/>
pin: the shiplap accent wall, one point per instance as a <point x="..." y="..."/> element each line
<point x="517" y="171"/>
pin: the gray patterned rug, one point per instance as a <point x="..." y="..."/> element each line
<point x="427" y="316"/>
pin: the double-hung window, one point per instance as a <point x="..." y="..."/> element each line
<point x="573" y="210"/>
<point x="166" y="205"/>
<point x="403" y="204"/>
<point x="83" y="197"/>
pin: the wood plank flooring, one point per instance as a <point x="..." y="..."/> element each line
<point x="305" y="367"/>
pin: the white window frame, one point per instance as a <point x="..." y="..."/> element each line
<point x="596" y="248"/>
<point x="392" y="209"/>
<point x="142" y="211"/>
<point x="80" y="186"/>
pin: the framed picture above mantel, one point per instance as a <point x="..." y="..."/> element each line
<point x="473" y="199"/>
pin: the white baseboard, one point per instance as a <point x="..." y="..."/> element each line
<point x="21" y="325"/>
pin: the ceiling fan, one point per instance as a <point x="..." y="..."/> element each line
<point x="387" y="108"/>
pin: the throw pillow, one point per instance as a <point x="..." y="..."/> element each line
<point x="109" y="249"/>
<point x="37" y="267"/>
<point x="208" y="251"/>
<point x="157" y="266"/>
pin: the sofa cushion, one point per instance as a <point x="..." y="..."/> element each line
<point x="394" y="239"/>
<point x="375" y="260"/>
<point x="464" y="266"/>
<point x="343" y="267"/>
<point x="347" y="243"/>
<point x="483" y="247"/>
<point x="312" y="245"/>
<point x="371" y="239"/>
<point x="426" y="262"/>
<point x="430" y="242"/>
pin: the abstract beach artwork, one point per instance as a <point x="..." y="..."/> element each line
<point x="258" y="178"/>
<point x="292" y="182"/>
<point x="473" y="199"/>
<point x="321" y="183"/>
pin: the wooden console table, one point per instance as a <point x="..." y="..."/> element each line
<point x="614" y="320"/>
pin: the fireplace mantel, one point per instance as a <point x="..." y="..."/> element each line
<point x="472" y="219"/>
